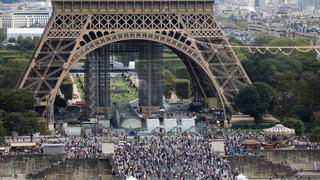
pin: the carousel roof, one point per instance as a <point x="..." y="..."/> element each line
<point x="279" y="129"/>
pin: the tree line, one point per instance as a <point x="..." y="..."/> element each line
<point x="16" y="106"/>
<point x="286" y="86"/>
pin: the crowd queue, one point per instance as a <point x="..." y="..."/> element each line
<point x="171" y="156"/>
<point x="83" y="147"/>
<point x="234" y="146"/>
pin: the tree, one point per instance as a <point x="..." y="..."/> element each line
<point x="256" y="100"/>
<point x="2" y="36"/>
<point x="309" y="86"/>
<point x="295" y="124"/>
<point x="264" y="39"/>
<point x="10" y="73"/>
<point x="67" y="88"/>
<point x="315" y="134"/>
<point x="2" y="128"/>
<point x="16" y="100"/>
<point x="25" y="123"/>
<point x="31" y="124"/>
<point x="295" y="78"/>
<point x="12" y="40"/>
<point x="2" y="132"/>
<point x="242" y="54"/>
<point x="26" y="43"/>
<point x="59" y="103"/>
<point x="12" y="121"/>
<point x="182" y="88"/>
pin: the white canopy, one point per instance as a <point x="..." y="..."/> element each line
<point x="279" y="129"/>
<point x="131" y="178"/>
<point x="241" y="177"/>
<point x="23" y="144"/>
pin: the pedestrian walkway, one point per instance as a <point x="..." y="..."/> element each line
<point x="76" y="97"/>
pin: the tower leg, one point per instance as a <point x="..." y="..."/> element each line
<point x="150" y="77"/>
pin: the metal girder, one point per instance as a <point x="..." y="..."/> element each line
<point x="77" y="28"/>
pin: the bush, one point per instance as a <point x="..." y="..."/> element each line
<point x="295" y="124"/>
<point x="168" y="76"/>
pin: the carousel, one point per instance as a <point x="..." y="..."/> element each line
<point x="278" y="133"/>
<point x="279" y="130"/>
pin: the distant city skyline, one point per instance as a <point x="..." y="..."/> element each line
<point x="309" y="5"/>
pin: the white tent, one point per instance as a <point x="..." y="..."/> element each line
<point x="131" y="178"/>
<point x="279" y="129"/>
<point x="241" y="177"/>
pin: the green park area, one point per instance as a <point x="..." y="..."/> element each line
<point x="176" y="77"/>
<point x="122" y="90"/>
<point x="285" y="86"/>
<point x="16" y="106"/>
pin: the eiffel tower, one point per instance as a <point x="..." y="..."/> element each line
<point x="188" y="27"/>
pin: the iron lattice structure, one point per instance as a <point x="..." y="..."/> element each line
<point x="97" y="81"/>
<point x="98" y="65"/>
<point x="77" y="28"/>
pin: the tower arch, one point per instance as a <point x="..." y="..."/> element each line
<point x="78" y="27"/>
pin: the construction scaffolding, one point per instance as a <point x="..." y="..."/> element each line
<point x="97" y="82"/>
<point x="148" y="58"/>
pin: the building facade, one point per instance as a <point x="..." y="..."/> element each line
<point x="24" y="32"/>
<point x="24" y="19"/>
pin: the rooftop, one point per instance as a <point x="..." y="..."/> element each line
<point x="25" y="30"/>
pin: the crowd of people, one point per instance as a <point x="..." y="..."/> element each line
<point x="301" y="142"/>
<point x="233" y="142"/>
<point x="171" y="156"/>
<point x="210" y="131"/>
<point x="83" y="147"/>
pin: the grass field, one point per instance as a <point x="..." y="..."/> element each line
<point x="122" y="91"/>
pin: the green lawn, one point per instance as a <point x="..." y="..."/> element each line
<point x="122" y="91"/>
<point x="13" y="55"/>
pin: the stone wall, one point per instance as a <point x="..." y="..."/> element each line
<point x="41" y="166"/>
<point x="80" y="169"/>
<point x="256" y="167"/>
<point x="307" y="160"/>
<point x="24" y="164"/>
<point x="267" y="164"/>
